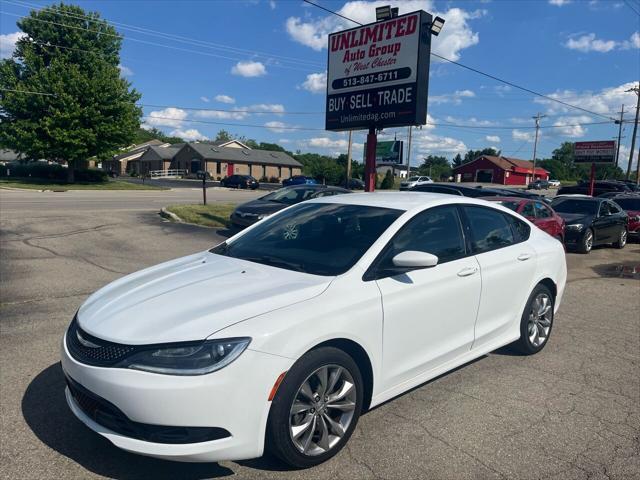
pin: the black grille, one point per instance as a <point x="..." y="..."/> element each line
<point x="95" y="351"/>
<point x="109" y="416"/>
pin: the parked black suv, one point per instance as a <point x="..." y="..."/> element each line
<point x="599" y="187"/>
<point x="240" y="181"/>
<point x="474" y="192"/>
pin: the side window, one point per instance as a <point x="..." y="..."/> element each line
<point x="604" y="209"/>
<point x="490" y="229"/>
<point x="520" y="229"/>
<point x="542" y="211"/>
<point x="436" y="231"/>
<point x="528" y="210"/>
<point x="613" y="208"/>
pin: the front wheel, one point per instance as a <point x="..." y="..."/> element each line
<point x="586" y="243"/>
<point x="536" y="321"/>
<point x="622" y="238"/>
<point x="316" y="408"/>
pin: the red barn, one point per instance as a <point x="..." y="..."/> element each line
<point x="503" y="170"/>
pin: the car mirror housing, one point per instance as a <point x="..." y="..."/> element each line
<point x="414" y="259"/>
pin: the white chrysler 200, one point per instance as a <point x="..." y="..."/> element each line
<point x="283" y="335"/>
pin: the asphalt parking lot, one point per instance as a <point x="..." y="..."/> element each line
<point x="571" y="412"/>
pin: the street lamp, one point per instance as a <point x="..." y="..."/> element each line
<point x="437" y="25"/>
<point x="383" y="13"/>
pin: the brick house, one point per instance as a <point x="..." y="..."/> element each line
<point x="502" y="170"/>
<point x="120" y="164"/>
<point x="225" y="160"/>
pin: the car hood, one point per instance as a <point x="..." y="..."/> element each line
<point x="261" y="207"/>
<point x="570" y="218"/>
<point x="192" y="297"/>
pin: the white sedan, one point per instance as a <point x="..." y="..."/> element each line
<point x="414" y="182"/>
<point x="283" y="335"/>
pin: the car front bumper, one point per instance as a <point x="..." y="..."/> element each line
<point x="234" y="398"/>
<point x="573" y="237"/>
<point x="243" y="221"/>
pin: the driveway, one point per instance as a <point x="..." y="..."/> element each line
<point x="571" y="412"/>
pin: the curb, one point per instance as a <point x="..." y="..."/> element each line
<point x="170" y="215"/>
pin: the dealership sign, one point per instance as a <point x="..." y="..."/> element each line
<point x="595" y="152"/>
<point x="378" y="74"/>
<point x="387" y="152"/>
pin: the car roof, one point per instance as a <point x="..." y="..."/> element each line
<point x="510" y="199"/>
<point x="399" y="200"/>
<point x="581" y="198"/>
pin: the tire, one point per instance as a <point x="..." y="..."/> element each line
<point x="622" y="238"/>
<point x="586" y="242"/>
<point x="310" y="449"/>
<point x="529" y="343"/>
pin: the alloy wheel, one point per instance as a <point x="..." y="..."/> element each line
<point x="623" y="237"/>
<point x="322" y="410"/>
<point x="588" y="241"/>
<point x="540" y="318"/>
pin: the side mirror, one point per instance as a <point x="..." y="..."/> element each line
<point x="414" y="259"/>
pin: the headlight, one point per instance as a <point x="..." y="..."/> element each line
<point x="264" y="215"/>
<point x="188" y="358"/>
<point x="575" y="226"/>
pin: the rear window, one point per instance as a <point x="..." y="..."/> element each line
<point x="584" y="207"/>
<point x="510" y="205"/>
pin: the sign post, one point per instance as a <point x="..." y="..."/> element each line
<point x="594" y="152"/>
<point x="378" y="77"/>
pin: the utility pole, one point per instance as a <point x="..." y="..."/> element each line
<point x="348" y="161"/>
<point x="619" y="122"/>
<point x="409" y="153"/>
<point x="635" y="130"/>
<point x="535" y="144"/>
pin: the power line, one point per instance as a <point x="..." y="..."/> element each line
<point x="28" y="92"/>
<point x="175" y="37"/>
<point x="275" y="127"/>
<point x="237" y="110"/>
<point x="148" y="42"/>
<point x="631" y="7"/>
<point x="488" y="75"/>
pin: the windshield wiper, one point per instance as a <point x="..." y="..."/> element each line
<point x="277" y="262"/>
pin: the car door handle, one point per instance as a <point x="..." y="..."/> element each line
<point x="524" y="256"/>
<point x="465" y="272"/>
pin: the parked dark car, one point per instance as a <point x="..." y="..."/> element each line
<point x="474" y="192"/>
<point x="255" y="210"/>
<point x="592" y="221"/>
<point x="240" y="181"/>
<point x="356" y="184"/>
<point x="631" y="205"/>
<point x="539" y="185"/>
<point x="298" y="180"/>
<point x="600" y="187"/>
<point x="537" y="212"/>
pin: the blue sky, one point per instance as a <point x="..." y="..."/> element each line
<point x="270" y="55"/>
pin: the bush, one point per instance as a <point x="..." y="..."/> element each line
<point x="263" y="179"/>
<point x="53" y="172"/>
<point x="388" y="181"/>
<point x="274" y="180"/>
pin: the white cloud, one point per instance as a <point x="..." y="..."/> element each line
<point x="454" y="98"/>
<point x="559" y="3"/>
<point x="249" y="69"/>
<point x="240" y="113"/>
<point x="589" y="43"/>
<point x="220" y="115"/>
<point x="521" y="136"/>
<point x="8" y="43"/>
<point x="278" y="127"/>
<point x="426" y="143"/>
<point x="205" y="99"/>
<point x="272" y="4"/>
<point x="189" y="135"/>
<point x="125" y="71"/>
<point x="275" y="108"/>
<point x="315" y="82"/>
<point x="493" y="138"/>
<point x="225" y="99"/>
<point x="570" y="126"/>
<point x="455" y="37"/>
<point x="606" y="101"/>
<point x="169" y="117"/>
<point x="326" y="142"/>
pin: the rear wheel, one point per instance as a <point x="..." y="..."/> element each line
<point x="622" y="238"/>
<point x="316" y="408"/>
<point x="586" y="243"/>
<point x="536" y="321"/>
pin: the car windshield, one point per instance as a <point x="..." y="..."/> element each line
<point x="413" y="179"/>
<point x="584" y="207"/>
<point x="510" y="204"/>
<point x="315" y="238"/>
<point x="628" y="203"/>
<point x="290" y="196"/>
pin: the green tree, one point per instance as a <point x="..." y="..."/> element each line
<point x="436" y="167"/>
<point x="457" y="160"/>
<point x="473" y="154"/>
<point x="387" y="181"/>
<point x="223" y="136"/>
<point x="84" y="108"/>
<point x="143" y="135"/>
